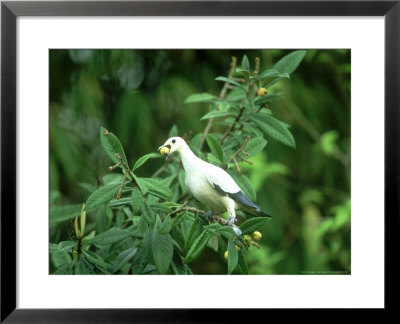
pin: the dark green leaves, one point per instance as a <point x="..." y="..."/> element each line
<point x="253" y="224"/>
<point x="274" y="128"/>
<point x="216" y="114"/>
<point x="200" y="97"/>
<point x="144" y="159"/>
<point x="198" y="246"/>
<point x="111" y="146"/>
<point x="245" y="64"/>
<point x="195" y="230"/>
<point x="124" y="257"/>
<point x="102" y="195"/>
<point x="255" y="145"/>
<point x="162" y="248"/>
<point x="230" y="81"/>
<point x="148" y="214"/>
<point x="62" y="213"/>
<point x="244" y="184"/>
<point x="215" y="147"/>
<point x="111" y="236"/>
<point x="232" y="256"/>
<point x="66" y="246"/>
<point x="290" y="62"/>
<point x="137" y="199"/>
<point x="156" y="188"/>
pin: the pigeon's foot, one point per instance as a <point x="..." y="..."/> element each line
<point x="231" y="221"/>
<point x="209" y="216"/>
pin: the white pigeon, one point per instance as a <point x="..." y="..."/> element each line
<point x="211" y="185"/>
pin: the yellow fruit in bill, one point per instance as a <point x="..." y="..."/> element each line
<point x="247" y="240"/>
<point x="262" y="92"/>
<point x="237" y="248"/>
<point x="226" y="255"/>
<point x="164" y="150"/>
<point x="256" y="236"/>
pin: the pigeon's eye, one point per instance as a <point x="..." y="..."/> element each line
<point x="173" y="141"/>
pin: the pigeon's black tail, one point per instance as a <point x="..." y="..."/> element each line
<point x="247" y="204"/>
<point x="261" y="213"/>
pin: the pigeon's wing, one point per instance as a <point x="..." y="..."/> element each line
<point x="223" y="183"/>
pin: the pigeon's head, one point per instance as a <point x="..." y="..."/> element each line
<point x="173" y="144"/>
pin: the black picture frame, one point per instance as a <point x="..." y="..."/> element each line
<point x="10" y="10"/>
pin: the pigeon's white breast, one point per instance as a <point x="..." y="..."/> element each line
<point x="201" y="190"/>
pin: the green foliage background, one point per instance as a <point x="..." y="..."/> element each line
<point x="140" y="95"/>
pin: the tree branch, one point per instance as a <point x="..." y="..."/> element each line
<point x="229" y="130"/>
<point x="222" y="95"/>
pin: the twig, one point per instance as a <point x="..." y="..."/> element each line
<point x="257" y="69"/>
<point x="237" y="166"/>
<point x="229" y="130"/>
<point x="236" y="155"/>
<point x="222" y="95"/>
<point x="127" y="170"/>
<point x="192" y="209"/>
<point x="241" y="148"/>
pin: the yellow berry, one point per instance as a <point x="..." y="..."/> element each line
<point x="262" y="92"/>
<point x="164" y="150"/>
<point x="256" y="236"/>
<point x="247" y="240"/>
<point x="237" y="248"/>
<point x="226" y="255"/>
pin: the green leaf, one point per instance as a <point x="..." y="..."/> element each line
<point x="178" y="219"/>
<point x="273" y="73"/>
<point x="65" y="269"/>
<point x="290" y="62"/>
<point x="216" y="114"/>
<point x="66" y="246"/>
<point x="253" y="224"/>
<point x="166" y="225"/>
<point x="148" y="214"/>
<point x="218" y="230"/>
<point x="244" y="184"/>
<point x="156" y="188"/>
<point x="162" y="248"/>
<point x="213" y="160"/>
<point x="230" y="81"/>
<point x="245" y="63"/>
<point x="173" y="131"/>
<point x="242" y="264"/>
<point x="160" y="208"/>
<point x="120" y="202"/>
<point x="83" y="267"/>
<point x="268" y="98"/>
<point x="102" y="195"/>
<point x="232" y="256"/>
<point x="274" y="128"/>
<point x="144" y="159"/>
<point x="110" y="236"/>
<point x="137" y="200"/>
<point x="60" y="214"/>
<point x="236" y="95"/>
<point x="215" y="147"/>
<point x="112" y="145"/>
<point x="200" y="97"/>
<point x="195" y="230"/>
<point x="255" y="145"/>
<point x="197" y="247"/>
<point x="124" y="257"/>
<point x="97" y="261"/>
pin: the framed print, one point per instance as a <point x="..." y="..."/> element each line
<point x="191" y="155"/>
